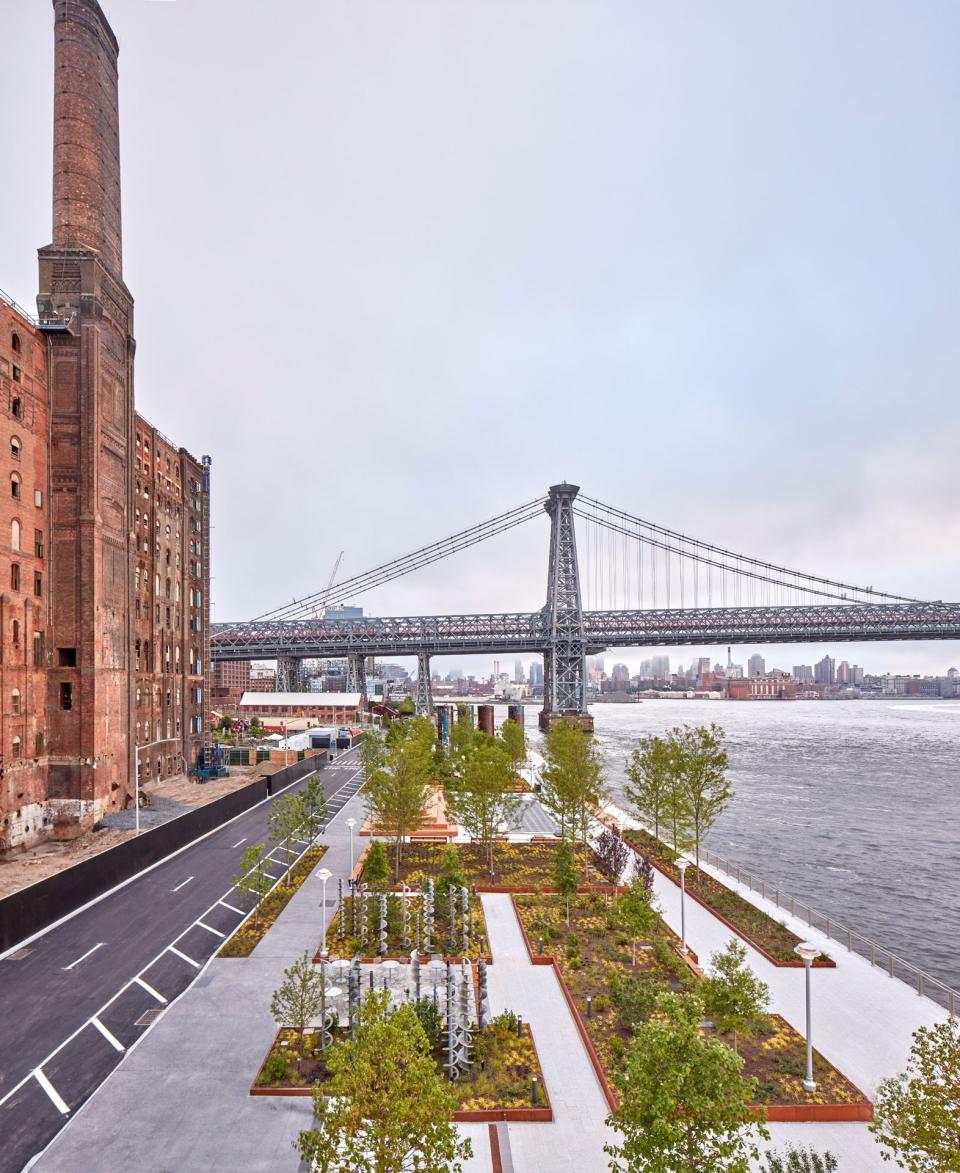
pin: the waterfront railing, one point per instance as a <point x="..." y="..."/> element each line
<point x="877" y="954"/>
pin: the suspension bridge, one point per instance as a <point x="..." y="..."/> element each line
<point x="650" y="586"/>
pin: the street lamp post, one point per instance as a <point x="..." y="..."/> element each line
<point x="808" y="952"/>
<point x="682" y="865"/>
<point x="351" y="823"/>
<point x="323" y="875"/>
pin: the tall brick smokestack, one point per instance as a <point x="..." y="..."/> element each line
<point x="86" y="133"/>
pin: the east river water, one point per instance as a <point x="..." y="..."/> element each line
<point x="851" y="806"/>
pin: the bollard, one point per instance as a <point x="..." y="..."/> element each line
<point x="519" y="1027"/>
<point x="589" y="1006"/>
<point x="534" y="1099"/>
<point x="540" y="947"/>
<point x="371" y="979"/>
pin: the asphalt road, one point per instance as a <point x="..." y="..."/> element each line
<point x="58" y="1037"/>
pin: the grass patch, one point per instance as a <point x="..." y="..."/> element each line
<point x="254" y="928"/>
<point x="515" y="865"/>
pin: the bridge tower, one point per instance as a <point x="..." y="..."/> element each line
<point x="424" y="694"/>
<point x="290" y="674"/>
<point x="564" y="658"/>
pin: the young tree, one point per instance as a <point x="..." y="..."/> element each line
<point x="286" y="822"/>
<point x="565" y="873"/>
<point x="637" y="913"/>
<point x="313" y="803"/>
<point x="650" y="771"/>
<point x="700" y="764"/>
<point x="573" y="783"/>
<point x="386" y="1107"/>
<point x="480" y="798"/>
<point x="375" y="867"/>
<point x="299" y="998"/>
<point x="451" y="870"/>
<point x="917" y="1113"/>
<point x="515" y="740"/>
<point x="396" y="788"/>
<point x="684" y="1104"/>
<point x="610" y="855"/>
<point x="252" y="877"/>
<point x="735" y="998"/>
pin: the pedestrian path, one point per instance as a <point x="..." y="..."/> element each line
<point x="574" y="1139"/>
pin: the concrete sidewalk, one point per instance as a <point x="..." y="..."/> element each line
<point x="178" y="1102"/>
<point x="574" y="1139"/>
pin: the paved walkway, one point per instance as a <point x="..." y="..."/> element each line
<point x="178" y="1102"/>
<point x="574" y="1139"/>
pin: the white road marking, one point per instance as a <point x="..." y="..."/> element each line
<point x="183" y="885"/>
<point x="237" y="844"/>
<point x="174" y="949"/>
<point x="216" y="932"/>
<point x="150" y="990"/>
<point x="271" y="876"/>
<point x="111" y="1039"/>
<point x="99" y="945"/>
<point x="238" y="911"/>
<point x="58" y="1101"/>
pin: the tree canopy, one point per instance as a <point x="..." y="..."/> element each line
<point x="479" y="795"/>
<point x="573" y="783"/>
<point x="399" y="772"/>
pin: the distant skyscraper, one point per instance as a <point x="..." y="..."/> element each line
<point x="843" y="673"/>
<point x="756" y="665"/>
<point x="803" y="673"/>
<point x="518" y="676"/>
<point x="620" y="676"/>
<point x="660" y="667"/>
<point x="825" y="671"/>
<point x="536" y="674"/>
<point x="703" y="665"/>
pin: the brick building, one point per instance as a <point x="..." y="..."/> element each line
<point x="104" y="525"/>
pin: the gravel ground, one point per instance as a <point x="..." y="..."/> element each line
<point x="162" y="810"/>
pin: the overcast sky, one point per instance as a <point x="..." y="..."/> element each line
<point x="399" y="266"/>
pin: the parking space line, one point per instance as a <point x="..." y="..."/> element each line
<point x="99" y="945"/>
<point x="174" y="949"/>
<point x="238" y="911"/>
<point x="111" y="1039"/>
<point x="183" y="885"/>
<point x="237" y="844"/>
<point x="58" y="1101"/>
<point x="216" y="932"/>
<point x="150" y="990"/>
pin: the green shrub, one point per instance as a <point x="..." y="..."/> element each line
<point x="451" y="871"/>
<point x="274" y="1070"/>
<point x="429" y="1016"/>
<point x="617" y="1049"/>
<point x="633" y="999"/>
<point x="375" y="868"/>
<point x="601" y="1003"/>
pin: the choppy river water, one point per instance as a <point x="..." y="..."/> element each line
<point x="851" y="806"/>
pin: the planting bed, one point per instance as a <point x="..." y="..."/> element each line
<point x="248" y="936"/>
<point x="774" y="940"/>
<point x="350" y="945"/>
<point x="593" y="959"/>
<point x="517" y="866"/>
<point x="496" y="1087"/>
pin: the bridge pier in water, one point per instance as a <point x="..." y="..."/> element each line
<point x="424" y="693"/>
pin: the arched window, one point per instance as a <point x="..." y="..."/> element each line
<point x="16" y="746"/>
<point x="15" y="486"/>
<point x="14" y="447"/>
<point x="15" y="701"/>
<point x="15" y="342"/>
<point x="15" y="534"/>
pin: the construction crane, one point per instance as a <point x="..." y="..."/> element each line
<point x="321" y="611"/>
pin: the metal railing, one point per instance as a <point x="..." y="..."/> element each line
<point x="19" y="308"/>
<point x="855" y="942"/>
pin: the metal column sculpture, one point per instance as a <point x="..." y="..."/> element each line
<point x="428" y="917"/>
<point x="424" y="696"/>
<point x="383" y="924"/>
<point x="482" y="993"/>
<point x="464" y="919"/>
<point x="564" y="663"/>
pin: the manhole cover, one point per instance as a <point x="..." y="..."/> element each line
<point x="20" y="954"/>
<point x="148" y="1017"/>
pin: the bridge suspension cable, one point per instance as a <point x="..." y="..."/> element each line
<point x="388" y="571"/>
<point x="742" y="581"/>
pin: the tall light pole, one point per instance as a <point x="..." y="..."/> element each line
<point x="808" y="952"/>
<point x="323" y="875"/>
<point x="351" y="823"/>
<point x="682" y="865"/>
